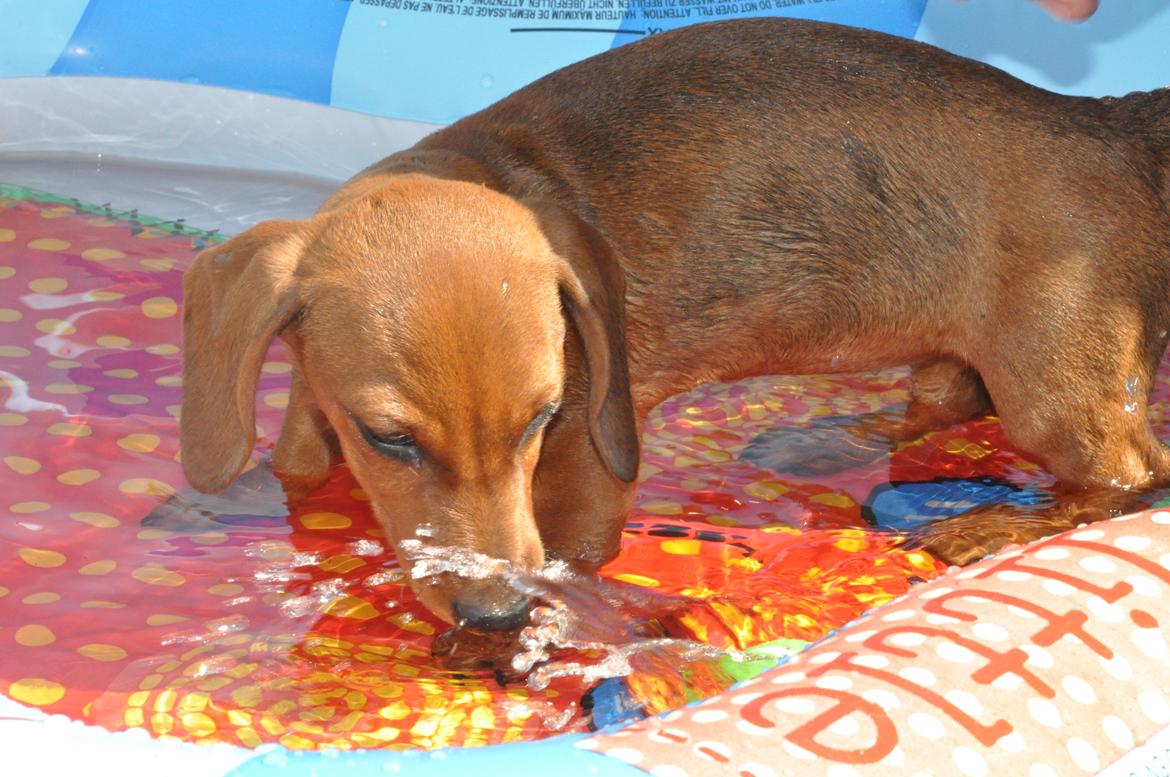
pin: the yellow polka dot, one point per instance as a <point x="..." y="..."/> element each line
<point x="64" y="364"/>
<point x="103" y="567"/>
<point x="78" y="477"/>
<point x="680" y="547"/>
<point x="42" y="597"/>
<point x="48" y="285"/>
<point x="14" y="351"/>
<point x="724" y="520"/>
<point x="850" y="545"/>
<point x="351" y="607"/>
<point x="29" y="507"/>
<point x="7" y="235"/>
<point x="99" y="651"/>
<point x="113" y="341"/>
<point x="150" y="682"/>
<point x="210" y="538"/>
<point x="48" y="244"/>
<point x="276" y="399"/>
<point x="8" y="315"/>
<point x="395" y="710"/>
<point x="6" y="272"/>
<point x="146" y="486"/>
<point x="359" y="494"/>
<point x="54" y="326"/>
<point x="197" y="724"/>
<point x="406" y="670"/>
<point x="99" y="604"/>
<point x="276" y="368"/>
<point x="36" y="691"/>
<point x="101" y="254"/>
<point x="662" y="507"/>
<point x="325" y="521"/>
<point x="162" y="723"/>
<point x="226" y="589"/>
<point x="44" y="559"/>
<point x="169" y="380"/>
<point x="156" y="575"/>
<point x="341" y="564"/>
<point x="128" y="399"/>
<point x="3" y="592"/>
<point x="139" y="443"/>
<point x="22" y="464"/>
<point x="122" y="373"/>
<point x="159" y="264"/>
<point x="832" y="500"/>
<point x="104" y="295"/>
<point x="12" y="419"/>
<point x="636" y="579"/>
<point x="34" y="635"/>
<point x="159" y="307"/>
<point x="71" y="430"/>
<point x="162" y="619"/>
<point x="67" y="388"/>
<point x="98" y="520"/>
<point x="162" y="349"/>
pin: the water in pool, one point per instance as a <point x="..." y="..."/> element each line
<point x="129" y="602"/>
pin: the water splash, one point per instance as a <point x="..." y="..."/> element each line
<point x="1132" y="384"/>
<point x="584" y="627"/>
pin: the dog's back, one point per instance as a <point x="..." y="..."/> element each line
<point x="831" y="186"/>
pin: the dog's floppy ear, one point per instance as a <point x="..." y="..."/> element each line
<point x="593" y="286"/>
<point x="237" y="298"/>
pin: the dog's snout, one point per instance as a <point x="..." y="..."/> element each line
<point x="493" y="606"/>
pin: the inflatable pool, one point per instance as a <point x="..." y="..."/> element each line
<point x="234" y="637"/>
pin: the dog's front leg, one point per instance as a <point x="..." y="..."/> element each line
<point x="943" y="392"/>
<point x="965" y="538"/>
<point x="307" y="448"/>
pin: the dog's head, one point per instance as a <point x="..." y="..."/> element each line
<point x="428" y="321"/>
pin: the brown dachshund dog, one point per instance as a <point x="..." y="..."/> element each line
<point x="479" y="323"/>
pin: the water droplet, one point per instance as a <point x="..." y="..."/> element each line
<point x="365" y="548"/>
<point x="1132" y="383"/>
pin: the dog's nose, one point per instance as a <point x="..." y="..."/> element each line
<point x="491" y="608"/>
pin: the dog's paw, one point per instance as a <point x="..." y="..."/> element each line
<point x="966" y="538"/>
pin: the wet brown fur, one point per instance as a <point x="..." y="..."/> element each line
<point x="730" y="199"/>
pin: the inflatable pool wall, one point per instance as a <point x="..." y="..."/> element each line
<point x="1096" y="696"/>
<point x="438" y="60"/>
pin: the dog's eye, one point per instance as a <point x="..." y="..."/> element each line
<point x="400" y="446"/>
<point x="538" y="423"/>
